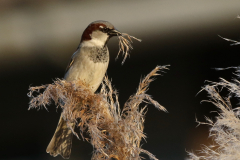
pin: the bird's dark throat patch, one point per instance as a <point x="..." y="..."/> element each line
<point x="99" y="55"/>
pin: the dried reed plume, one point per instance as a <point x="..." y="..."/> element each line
<point x="225" y="131"/>
<point x="125" y="45"/>
<point x="115" y="133"/>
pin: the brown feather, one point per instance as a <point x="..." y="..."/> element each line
<point x="88" y="31"/>
<point x="69" y="64"/>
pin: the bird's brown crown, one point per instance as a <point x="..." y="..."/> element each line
<point x="102" y="26"/>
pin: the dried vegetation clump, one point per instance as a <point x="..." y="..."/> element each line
<point x="225" y="131"/>
<point x="115" y="133"/>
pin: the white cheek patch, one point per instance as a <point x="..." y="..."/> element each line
<point x="100" y="26"/>
<point x="98" y="38"/>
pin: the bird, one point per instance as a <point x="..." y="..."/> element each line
<point x="88" y="63"/>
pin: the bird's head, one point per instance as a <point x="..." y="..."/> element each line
<point x="98" y="33"/>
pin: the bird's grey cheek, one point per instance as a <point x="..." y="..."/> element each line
<point x="94" y="34"/>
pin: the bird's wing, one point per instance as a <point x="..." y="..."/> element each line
<point x="69" y="64"/>
<point x="72" y="60"/>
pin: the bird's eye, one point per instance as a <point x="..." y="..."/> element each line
<point x="105" y="30"/>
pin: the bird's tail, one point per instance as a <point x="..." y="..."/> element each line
<point x="61" y="142"/>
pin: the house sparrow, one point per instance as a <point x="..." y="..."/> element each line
<point x="89" y="64"/>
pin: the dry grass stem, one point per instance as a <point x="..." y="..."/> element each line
<point x="125" y="45"/>
<point x="230" y="40"/>
<point x="115" y="133"/>
<point x="225" y="131"/>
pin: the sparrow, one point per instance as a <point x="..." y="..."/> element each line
<point x="88" y="63"/>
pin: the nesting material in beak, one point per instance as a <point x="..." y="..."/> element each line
<point x="125" y="44"/>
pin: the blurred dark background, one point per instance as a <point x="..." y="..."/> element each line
<point x="37" y="39"/>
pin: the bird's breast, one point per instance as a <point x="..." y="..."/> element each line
<point x="89" y="66"/>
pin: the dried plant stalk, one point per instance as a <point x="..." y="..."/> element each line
<point x="230" y="40"/>
<point x="225" y="131"/>
<point x="125" y="45"/>
<point x="114" y="133"/>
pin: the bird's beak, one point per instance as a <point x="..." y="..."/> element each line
<point x="114" y="32"/>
